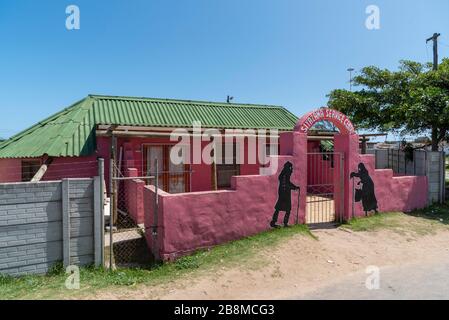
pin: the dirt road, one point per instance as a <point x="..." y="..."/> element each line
<point x="326" y="267"/>
<point x="419" y="281"/>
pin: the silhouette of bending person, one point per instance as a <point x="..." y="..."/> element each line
<point x="284" y="202"/>
<point x="367" y="194"/>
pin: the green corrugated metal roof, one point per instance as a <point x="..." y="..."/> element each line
<point x="71" y="132"/>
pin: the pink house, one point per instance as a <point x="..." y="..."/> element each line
<point x="219" y="191"/>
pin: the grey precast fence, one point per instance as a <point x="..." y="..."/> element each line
<point x="44" y="223"/>
<point x="422" y="163"/>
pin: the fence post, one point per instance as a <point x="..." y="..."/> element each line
<point x="102" y="203"/>
<point x="155" y="211"/>
<point x="99" y="215"/>
<point x="442" y="177"/>
<point x="111" y="211"/>
<point x="66" y="222"/>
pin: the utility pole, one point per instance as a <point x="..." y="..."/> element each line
<point x="350" y="78"/>
<point x="434" y="38"/>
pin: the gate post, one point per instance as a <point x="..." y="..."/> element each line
<point x="348" y="145"/>
<point x="300" y="172"/>
<point x="99" y="214"/>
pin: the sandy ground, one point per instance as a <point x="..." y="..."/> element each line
<point x="302" y="266"/>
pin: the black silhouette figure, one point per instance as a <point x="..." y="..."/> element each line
<point x="284" y="202"/>
<point x="366" y="193"/>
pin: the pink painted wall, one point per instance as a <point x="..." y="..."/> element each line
<point x="404" y="193"/>
<point x="82" y="167"/>
<point x="10" y="170"/>
<point x="346" y="144"/>
<point x="103" y="151"/>
<point x="202" y="174"/>
<point x="286" y="143"/>
<point x="195" y="220"/>
<point x="63" y="167"/>
<point x="394" y="193"/>
<point x="133" y="194"/>
<point x="189" y="221"/>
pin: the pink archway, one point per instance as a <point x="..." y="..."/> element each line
<point x="345" y="144"/>
<point x="340" y="120"/>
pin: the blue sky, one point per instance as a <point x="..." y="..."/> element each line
<point x="284" y="52"/>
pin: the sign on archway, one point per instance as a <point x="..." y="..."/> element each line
<point x="340" y="120"/>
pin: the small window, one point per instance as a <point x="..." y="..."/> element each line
<point x="29" y="169"/>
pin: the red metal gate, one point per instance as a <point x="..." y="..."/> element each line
<point x="324" y="187"/>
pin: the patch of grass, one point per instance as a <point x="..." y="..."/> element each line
<point x="375" y="222"/>
<point x="52" y="285"/>
<point x="421" y="222"/>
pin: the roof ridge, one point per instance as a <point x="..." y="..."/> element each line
<point x="169" y="100"/>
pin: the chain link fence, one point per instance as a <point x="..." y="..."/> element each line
<point x="126" y="245"/>
<point x="125" y="231"/>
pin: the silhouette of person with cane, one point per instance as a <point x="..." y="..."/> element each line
<point x="366" y="193"/>
<point x="284" y="202"/>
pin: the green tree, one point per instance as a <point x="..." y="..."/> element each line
<point x="414" y="99"/>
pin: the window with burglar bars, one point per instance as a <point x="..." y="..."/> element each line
<point x="172" y="178"/>
<point x="29" y="169"/>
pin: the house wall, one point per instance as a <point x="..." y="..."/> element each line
<point x="60" y="168"/>
<point x="201" y="178"/>
<point x="10" y="170"/>
<point x="74" y="167"/>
